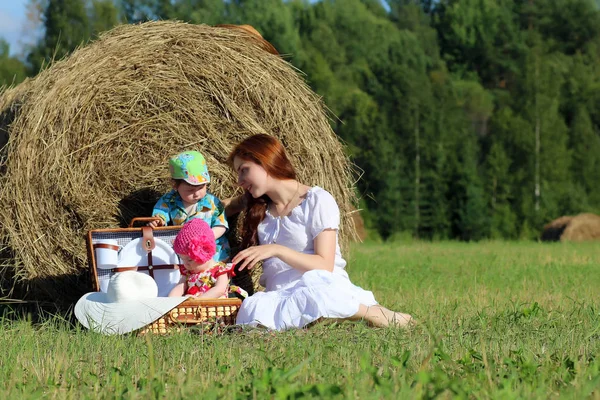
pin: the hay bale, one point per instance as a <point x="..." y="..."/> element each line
<point x="11" y="100"/>
<point x="583" y="227"/>
<point x="92" y="140"/>
<point x="554" y="230"/>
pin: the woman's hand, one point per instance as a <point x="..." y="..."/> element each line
<point x="252" y="255"/>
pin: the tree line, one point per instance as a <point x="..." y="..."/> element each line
<point x="468" y="119"/>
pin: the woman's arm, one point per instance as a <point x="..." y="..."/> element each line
<point x="234" y="205"/>
<point x="217" y="291"/>
<point x="324" y="257"/>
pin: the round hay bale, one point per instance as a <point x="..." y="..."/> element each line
<point x="89" y="148"/>
<point x="11" y="100"/>
<point x="581" y="228"/>
<point x="554" y="230"/>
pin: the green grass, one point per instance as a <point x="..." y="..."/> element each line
<point x="496" y="320"/>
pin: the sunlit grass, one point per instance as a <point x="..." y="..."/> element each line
<point x="496" y="320"/>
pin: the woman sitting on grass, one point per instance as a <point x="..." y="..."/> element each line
<point x="293" y="228"/>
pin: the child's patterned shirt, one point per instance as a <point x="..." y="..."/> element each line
<point x="171" y="210"/>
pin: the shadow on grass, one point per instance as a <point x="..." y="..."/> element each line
<point x="40" y="299"/>
<point x="36" y="313"/>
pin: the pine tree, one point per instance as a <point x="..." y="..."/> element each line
<point x="104" y="16"/>
<point x="210" y="12"/>
<point x="272" y="18"/>
<point x="470" y="217"/>
<point x="66" y="26"/>
<point x="498" y="183"/>
<point x="585" y="142"/>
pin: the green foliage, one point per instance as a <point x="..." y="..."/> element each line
<point x="136" y="11"/>
<point x="66" y="26"/>
<point x="272" y="18"/>
<point x="104" y="16"/>
<point x="12" y="70"/>
<point x="468" y="119"/>
<point x="585" y="144"/>
<point x="210" y="12"/>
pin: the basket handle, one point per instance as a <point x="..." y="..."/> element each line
<point x="189" y="318"/>
<point x="144" y="219"/>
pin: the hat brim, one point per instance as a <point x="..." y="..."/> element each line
<point x="196" y="183"/>
<point x="95" y="312"/>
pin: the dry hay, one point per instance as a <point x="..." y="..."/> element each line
<point x="554" y="230"/>
<point x="583" y="227"/>
<point x="359" y="225"/>
<point x="11" y="100"/>
<point x="579" y="228"/>
<point x="89" y="147"/>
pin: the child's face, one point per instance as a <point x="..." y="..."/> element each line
<point x="193" y="266"/>
<point x="251" y="177"/>
<point x="191" y="194"/>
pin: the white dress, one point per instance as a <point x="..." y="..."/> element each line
<point x="293" y="299"/>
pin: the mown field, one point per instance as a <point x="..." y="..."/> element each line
<point x="496" y="320"/>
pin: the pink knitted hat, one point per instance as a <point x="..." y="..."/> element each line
<point x="196" y="240"/>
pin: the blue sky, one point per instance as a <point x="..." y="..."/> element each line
<point x="12" y="23"/>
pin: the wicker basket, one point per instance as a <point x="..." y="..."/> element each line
<point x="205" y="314"/>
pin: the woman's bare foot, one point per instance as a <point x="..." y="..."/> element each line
<point x="382" y="317"/>
<point x="402" y="320"/>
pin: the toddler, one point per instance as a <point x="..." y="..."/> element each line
<point x="201" y="276"/>
<point x="189" y="199"/>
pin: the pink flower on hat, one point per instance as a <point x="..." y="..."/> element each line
<point x="196" y="240"/>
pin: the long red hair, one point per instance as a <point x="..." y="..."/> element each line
<point x="268" y="152"/>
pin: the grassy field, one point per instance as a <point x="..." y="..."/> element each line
<point x="496" y="320"/>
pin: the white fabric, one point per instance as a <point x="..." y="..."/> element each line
<point x="129" y="304"/>
<point x="293" y="299"/>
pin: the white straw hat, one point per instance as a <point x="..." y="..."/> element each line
<point x="129" y="303"/>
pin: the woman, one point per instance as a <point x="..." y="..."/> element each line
<point x="293" y="229"/>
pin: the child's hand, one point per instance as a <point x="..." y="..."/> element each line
<point x="155" y="223"/>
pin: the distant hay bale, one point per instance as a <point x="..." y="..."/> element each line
<point x="583" y="227"/>
<point x="579" y="228"/>
<point x="554" y="230"/>
<point x="89" y="146"/>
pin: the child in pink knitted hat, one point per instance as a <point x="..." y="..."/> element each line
<point x="201" y="276"/>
